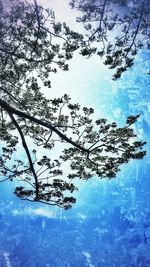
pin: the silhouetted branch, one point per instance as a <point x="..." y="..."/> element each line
<point x="26" y="150"/>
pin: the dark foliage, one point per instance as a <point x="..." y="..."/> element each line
<point x="32" y="45"/>
<point x="116" y="30"/>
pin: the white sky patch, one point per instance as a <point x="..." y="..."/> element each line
<point x="7" y="260"/>
<point x="43" y="224"/>
<point x="88" y="258"/>
<point x="81" y="81"/>
<point x="43" y="212"/>
<point x="81" y="216"/>
<point x="117" y="112"/>
<point x="63" y="12"/>
<point x="85" y="75"/>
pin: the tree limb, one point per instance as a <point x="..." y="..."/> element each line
<point x="22" y="114"/>
<point x="26" y="150"/>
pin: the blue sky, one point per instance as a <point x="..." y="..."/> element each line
<point x="110" y="223"/>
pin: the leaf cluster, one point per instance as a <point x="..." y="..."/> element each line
<point x="115" y="30"/>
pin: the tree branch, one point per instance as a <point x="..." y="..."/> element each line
<point x="44" y="202"/>
<point x="8" y="93"/>
<point x="19" y="113"/>
<point x="26" y="150"/>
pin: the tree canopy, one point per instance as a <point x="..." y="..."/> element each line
<point x="32" y="45"/>
<point x="128" y="20"/>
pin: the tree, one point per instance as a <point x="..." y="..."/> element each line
<point x="120" y="27"/>
<point x="32" y="45"/>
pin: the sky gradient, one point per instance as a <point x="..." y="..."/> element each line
<point x="109" y="226"/>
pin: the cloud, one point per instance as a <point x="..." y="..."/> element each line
<point x="117" y="112"/>
<point x="34" y="212"/>
<point x="88" y="258"/>
<point x="7" y="260"/>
